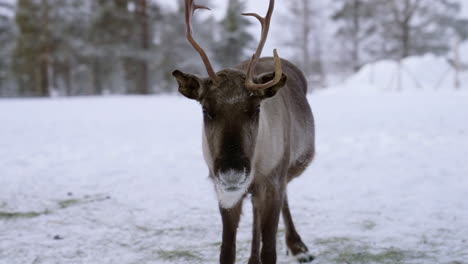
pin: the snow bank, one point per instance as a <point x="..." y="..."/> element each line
<point x="429" y="72"/>
<point x="464" y="52"/>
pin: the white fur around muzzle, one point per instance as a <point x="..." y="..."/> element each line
<point x="228" y="199"/>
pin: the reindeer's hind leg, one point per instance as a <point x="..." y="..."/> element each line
<point x="296" y="247"/>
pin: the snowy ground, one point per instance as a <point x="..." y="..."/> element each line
<point x="121" y="180"/>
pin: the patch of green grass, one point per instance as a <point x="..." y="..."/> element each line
<point x="332" y="240"/>
<point x="67" y="203"/>
<point x="143" y="228"/>
<point x="349" y="250"/>
<point x="178" y="255"/>
<point x="63" y="204"/>
<point x="21" y="215"/>
<point x="369" y="225"/>
<point x="388" y="256"/>
<point x="216" y="244"/>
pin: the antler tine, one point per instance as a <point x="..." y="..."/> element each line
<point x="265" y="22"/>
<point x="190" y="8"/>
<point x="200" y="7"/>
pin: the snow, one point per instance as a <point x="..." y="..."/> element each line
<point x="429" y="72"/>
<point x="463" y="52"/>
<point x="122" y="180"/>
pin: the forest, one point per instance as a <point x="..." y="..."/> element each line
<point x="96" y="47"/>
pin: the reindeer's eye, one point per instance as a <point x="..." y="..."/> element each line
<point x="257" y="110"/>
<point x="207" y="115"/>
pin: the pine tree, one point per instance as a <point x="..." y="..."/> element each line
<point x="142" y="16"/>
<point x="112" y="37"/>
<point x="121" y="34"/>
<point x="33" y="48"/>
<point x="7" y="36"/>
<point x="235" y="40"/>
<point x="136" y="60"/>
<point x="70" y="28"/>
<point x="173" y="49"/>
<point x="47" y="42"/>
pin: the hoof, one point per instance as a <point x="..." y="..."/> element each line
<point x="305" y="257"/>
<point x="254" y="261"/>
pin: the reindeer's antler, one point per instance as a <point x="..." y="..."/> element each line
<point x="190" y="8"/>
<point x="265" y="22"/>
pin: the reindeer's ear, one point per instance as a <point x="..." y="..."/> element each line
<point x="271" y="91"/>
<point x="189" y="85"/>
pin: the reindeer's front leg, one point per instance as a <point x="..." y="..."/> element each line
<point x="267" y="208"/>
<point x="256" y="232"/>
<point x="230" y="219"/>
<point x="270" y="218"/>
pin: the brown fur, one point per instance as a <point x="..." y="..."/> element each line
<point x="274" y="146"/>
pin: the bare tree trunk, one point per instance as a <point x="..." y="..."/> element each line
<point x="357" y="28"/>
<point x="318" y="59"/>
<point x="457" y="64"/>
<point x="403" y="18"/>
<point x="43" y="78"/>
<point x="411" y="6"/>
<point x="143" y="82"/>
<point x="44" y="59"/>
<point x="67" y="73"/>
<point x="306" y="37"/>
<point x="405" y="40"/>
<point x="399" y="76"/>
<point x="97" y="82"/>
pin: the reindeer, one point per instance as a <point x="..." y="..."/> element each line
<point x="258" y="135"/>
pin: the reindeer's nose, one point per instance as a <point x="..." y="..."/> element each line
<point x="232" y="180"/>
<point x="232" y="163"/>
<point x="232" y="172"/>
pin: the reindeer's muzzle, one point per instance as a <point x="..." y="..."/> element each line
<point x="232" y="180"/>
<point x="232" y="173"/>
